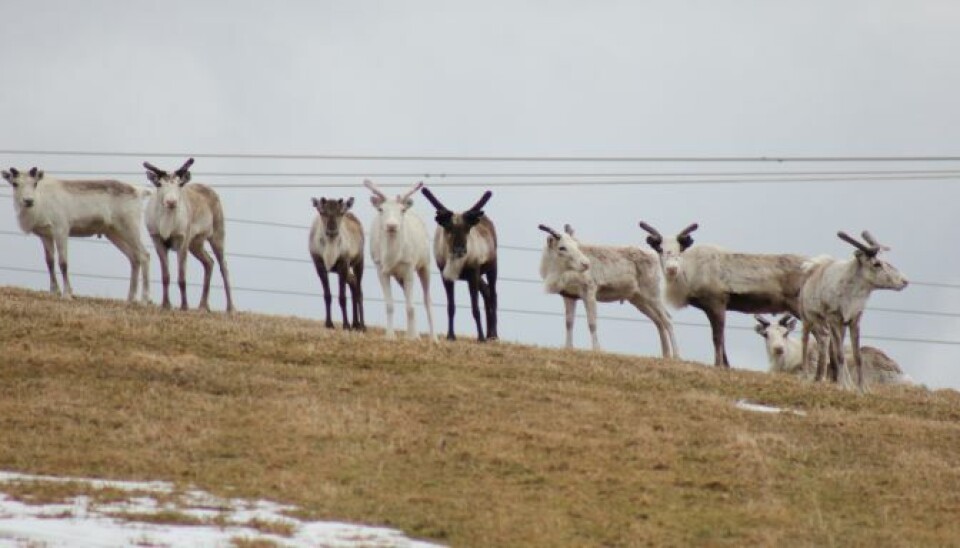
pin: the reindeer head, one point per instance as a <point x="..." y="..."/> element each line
<point x="878" y="273"/>
<point x="391" y="211"/>
<point x="565" y="249"/>
<point x="332" y="212"/>
<point x="24" y="185"/>
<point x="670" y="250"/>
<point x="169" y="184"/>
<point x="457" y="225"/>
<point x="776" y="334"/>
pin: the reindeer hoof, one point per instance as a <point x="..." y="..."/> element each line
<point x="329" y="325"/>
<point x="451" y="337"/>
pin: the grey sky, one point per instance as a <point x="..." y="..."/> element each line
<point x="508" y="78"/>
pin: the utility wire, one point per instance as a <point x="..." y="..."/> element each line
<point x="939" y="285"/>
<point x="469" y="175"/>
<point x="464" y="307"/>
<point x="508" y="279"/>
<point x="486" y="158"/>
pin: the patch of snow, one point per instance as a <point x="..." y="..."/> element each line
<point x="83" y="522"/>
<point x="760" y="408"/>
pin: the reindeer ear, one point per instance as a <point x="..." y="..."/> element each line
<point x="568" y="229"/>
<point x="153" y="178"/>
<point x="685" y="242"/>
<point x="790" y="324"/>
<point x="36" y="174"/>
<point x="761" y="329"/>
<point x="473" y="217"/>
<point x="654" y="242"/>
<point x="407" y="204"/>
<point x="8" y="176"/>
<point x="377" y="200"/>
<point x="185" y="178"/>
<point x="443" y="218"/>
<point x="348" y="204"/>
<point x="315" y="202"/>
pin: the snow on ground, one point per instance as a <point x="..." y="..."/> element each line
<point x="760" y="408"/>
<point x="82" y="521"/>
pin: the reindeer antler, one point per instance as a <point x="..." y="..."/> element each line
<point x="763" y="321"/>
<point x="185" y="167"/>
<point x="549" y="230"/>
<point x="411" y="192"/>
<point x="688" y="230"/>
<point x="652" y="231"/>
<point x="373" y="188"/>
<point x="873" y="241"/>
<point x="433" y="200"/>
<point x="785" y="319"/>
<point x="154" y="168"/>
<point x="481" y="202"/>
<point x="870" y="251"/>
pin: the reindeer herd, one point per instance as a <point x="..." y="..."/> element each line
<point x="829" y="295"/>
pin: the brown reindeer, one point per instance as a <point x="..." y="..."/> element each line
<point x="336" y="245"/>
<point x="465" y="247"/>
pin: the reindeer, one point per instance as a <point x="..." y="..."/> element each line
<point x="716" y="280"/>
<point x="785" y="354"/>
<point x="597" y="273"/>
<point x="182" y="218"/>
<point x="399" y="248"/>
<point x="336" y="245"/>
<point x="834" y="296"/>
<point x="465" y="248"/>
<point x="54" y="210"/>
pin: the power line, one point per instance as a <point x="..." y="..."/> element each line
<point x="490" y="158"/>
<point x="469" y="175"/>
<point x="939" y="285"/>
<point x="464" y="307"/>
<point x="508" y="279"/>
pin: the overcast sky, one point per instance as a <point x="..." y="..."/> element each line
<point x="638" y="79"/>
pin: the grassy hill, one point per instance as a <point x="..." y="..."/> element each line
<point x="469" y="444"/>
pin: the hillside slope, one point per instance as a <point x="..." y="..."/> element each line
<point x="468" y="444"/>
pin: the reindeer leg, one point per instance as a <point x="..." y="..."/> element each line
<point x="717" y="318"/>
<point x="197" y="250"/>
<point x="61" y="244"/>
<point x="450" y="290"/>
<point x="590" y="303"/>
<point x="388" y="300"/>
<point x="48" y="253"/>
<point x="424" y="273"/>
<point x="325" y="282"/>
<point x="490" y="302"/>
<point x="359" y="321"/>
<point x="162" y="254"/>
<point x="569" y="313"/>
<point x="342" y="274"/>
<point x="857" y="357"/>
<point x="473" y="285"/>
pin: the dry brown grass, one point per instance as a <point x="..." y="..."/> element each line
<point x="468" y="444"/>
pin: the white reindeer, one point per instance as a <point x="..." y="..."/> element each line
<point x="606" y="274"/>
<point x="183" y="218"/>
<point x="834" y="296"/>
<point x="716" y="280"/>
<point x="465" y="248"/>
<point x="400" y="250"/>
<point x="54" y="209"/>
<point x="785" y="354"/>
<point x="336" y="245"/>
